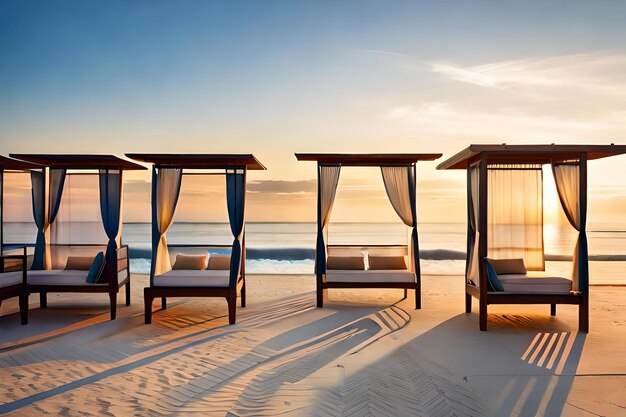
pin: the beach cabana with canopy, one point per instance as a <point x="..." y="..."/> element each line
<point x="77" y="199"/>
<point x="197" y="270"/>
<point x="505" y="223"/>
<point x="13" y="265"/>
<point x="388" y="266"/>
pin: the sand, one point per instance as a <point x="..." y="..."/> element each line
<point x="366" y="353"/>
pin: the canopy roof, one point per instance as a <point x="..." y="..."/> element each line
<point x="529" y="154"/>
<point x="79" y="161"/>
<point x="199" y="161"/>
<point x="367" y="159"/>
<point x="9" y="163"/>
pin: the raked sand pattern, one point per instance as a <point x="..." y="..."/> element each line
<point x="282" y="358"/>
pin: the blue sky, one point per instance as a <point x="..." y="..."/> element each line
<point x="276" y="77"/>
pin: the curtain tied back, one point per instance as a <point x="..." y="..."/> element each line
<point x="166" y="183"/>
<point x="568" y="184"/>
<point x="400" y="187"/>
<point x="327" y="180"/>
<point x="236" y="201"/>
<point x="46" y="203"/>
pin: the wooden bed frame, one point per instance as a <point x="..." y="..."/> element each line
<point x="322" y="285"/>
<point x="19" y="290"/>
<point x="112" y="288"/>
<point x="152" y="292"/>
<point x="485" y="298"/>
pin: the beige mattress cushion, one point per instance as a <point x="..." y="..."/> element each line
<point x="369" y="276"/>
<point x="191" y="262"/>
<point x="10" y="278"/>
<point x="205" y="278"/>
<point x="524" y="283"/>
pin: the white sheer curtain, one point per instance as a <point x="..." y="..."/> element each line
<point x="168" y="182"/>
<point x="567" y="179"/>
<point x="472" y="272"/>
<point x="78" y="220"/>
<point x="398" y="182"/>
<point x="328" y="178"/>
<point x="515" y="214"/>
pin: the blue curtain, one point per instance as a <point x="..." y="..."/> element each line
<point x="414" y="240"/>
<point x="236" y="199"/>
<point x="110" y="209"/>
<point x="44" y="216"/>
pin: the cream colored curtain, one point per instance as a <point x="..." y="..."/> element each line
<point x="515" y="214"/>
<point x="567" y="179"/>
<point x="167" y="192"/>
<point x="396" y="180"/>
<point x="472" y="271"/>
<point x="400" y="188"/>
<point x="328" y="178"/>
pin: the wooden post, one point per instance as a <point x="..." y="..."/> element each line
<point x="43" y="300"/>
<point x="1" y="217"/>
<point x="232" y="306"/>
<point x="482" y="243"/>
<point x="583" y="309"/>
<point x="113" y="301"/>
<point x="243" y="245"/>
<point x="24" y="293"/>
<point x="148" y="297"/>
<point x="128" y="291"/>
<point x="318" y="273"/>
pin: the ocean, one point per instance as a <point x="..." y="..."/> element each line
<point x="288" y="248"/>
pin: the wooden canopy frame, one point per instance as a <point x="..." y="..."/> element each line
<point x="226" y="162"/>
<point x="117" y="263"/>
<point x="19" y="290"/>
<point x="367" y="160"/>
<point x="482" y="156"/>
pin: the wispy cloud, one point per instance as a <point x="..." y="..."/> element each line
<point x="282" y="187"/>
<point x="603" y="72"/>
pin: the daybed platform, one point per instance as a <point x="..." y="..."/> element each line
<point x="361" y="278"/>
<point x="67" y="280"/>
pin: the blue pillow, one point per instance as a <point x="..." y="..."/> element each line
<point x="95" y="270"/>
<point x="493" y="276"/>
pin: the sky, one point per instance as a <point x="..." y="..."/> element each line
<point x="277" y="77"/>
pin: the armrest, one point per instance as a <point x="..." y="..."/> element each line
<point x="23" y="257"/>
